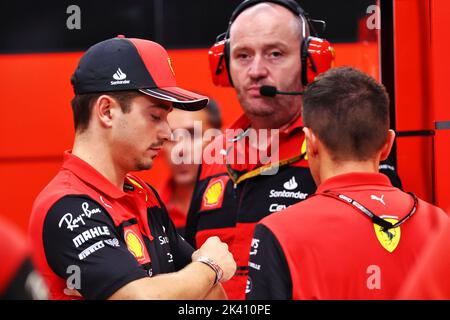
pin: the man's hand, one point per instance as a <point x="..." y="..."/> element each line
<point x="217" y="251"/>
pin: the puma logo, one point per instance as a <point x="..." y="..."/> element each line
<point x="378" y="199"/>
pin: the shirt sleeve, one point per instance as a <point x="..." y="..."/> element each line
<point x="181" y="249"/>
<point x="83" y="247"/>
<point x="269" y="277"/>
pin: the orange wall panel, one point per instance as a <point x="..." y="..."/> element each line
<point x="35" y="113"/>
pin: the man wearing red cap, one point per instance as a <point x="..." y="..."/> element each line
<point x="95" y="227"/>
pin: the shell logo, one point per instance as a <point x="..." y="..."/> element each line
<point x="134" y="244"/>
<point x="212" y="195"/>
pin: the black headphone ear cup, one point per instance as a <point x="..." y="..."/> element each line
<point x="226" y="53"/>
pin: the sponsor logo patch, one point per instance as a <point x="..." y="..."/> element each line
<point x="380" y="199"/>
<point x="72" y="223"/>
<point x="288" y="192"/>
<point x="120" y="77"/>
<point x="291" y="184"/>
<point x="95" y="247"/>
<point x="135" y="244"/>
<point x="90" y="234"/>
<point x="275" y="207"/>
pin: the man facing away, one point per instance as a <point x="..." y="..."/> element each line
<point x="357" y="237"/>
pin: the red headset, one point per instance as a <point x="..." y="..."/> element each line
<point x="317" y="55"/>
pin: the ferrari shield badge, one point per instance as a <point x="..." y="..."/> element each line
<point x="389" y="239"/>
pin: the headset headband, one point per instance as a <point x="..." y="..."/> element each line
<point x="291" y="5"/>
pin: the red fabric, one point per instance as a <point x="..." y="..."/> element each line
<point x="332" y="251"/>
<point x="288" y="140"/>
<point x="214" y="193"/>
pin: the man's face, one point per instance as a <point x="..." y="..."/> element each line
<point x="183" y="144"/>
<point x="138" y="135"/>
<point x="265" y="50"/>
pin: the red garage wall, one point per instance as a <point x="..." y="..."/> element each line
<point x="412" y="90"/>
<point x="421" y="81"/>
<point x="36" y="120"/>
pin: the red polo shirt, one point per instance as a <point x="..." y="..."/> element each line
<point x="324" y="248"/>
<point x="89" y="234"/>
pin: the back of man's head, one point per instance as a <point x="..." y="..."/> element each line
<point x="349" y="112"/>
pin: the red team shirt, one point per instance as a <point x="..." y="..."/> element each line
<point x="83" y="226"/>
<point x="324" y="248"/>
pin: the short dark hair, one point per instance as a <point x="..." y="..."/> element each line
<point x="82" y="105"/>
<point x="349" y="112"/>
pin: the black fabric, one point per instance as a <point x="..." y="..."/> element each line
<point x="103" y="271"/>
<point x="269" y="275"/>
<point x="180" y="250"/>
<point x="387" y="168"/>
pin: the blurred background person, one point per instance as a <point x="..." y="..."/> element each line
<point x="176" y="192"/>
